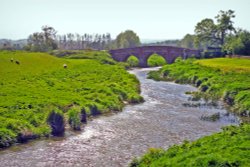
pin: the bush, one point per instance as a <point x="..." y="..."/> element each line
<point x="94" y="110"/>
<point x="7" y="137"/>
<point x="133" y="61"/>
<point x="178" y="59"/>
<point x="56" y="122"/>
<point x="156" y="60"/>
<point x="74" y="115"/>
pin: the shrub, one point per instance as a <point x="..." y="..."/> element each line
<point x="133" y="61"/>
<point x="56" y="122"/>
<point x="7" y="137"/>
<point x="178" y="59"/>
<point x="83" y="115"/>
<point x="156" y="60"/>
<point x="74" y="115"/>
<point x="94" y="110"/>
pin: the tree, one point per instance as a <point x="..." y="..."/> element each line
<point x="188" y="41"/>
<point x="49" y="34"/>
<point x="206" y="33"/>
<point x="210" y="34"/>
<point x="127" y="39"/>
<point x="225" y="24"/>
<point x="238" y="44"/>
<point x="36" y="42"/>
<point x="42" y="41"/>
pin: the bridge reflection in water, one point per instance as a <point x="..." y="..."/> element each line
<point x="169" y="53"/>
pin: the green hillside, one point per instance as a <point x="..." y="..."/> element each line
<point x="38" y="85"/>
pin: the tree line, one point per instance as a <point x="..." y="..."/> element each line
<point x="49" y="40"/>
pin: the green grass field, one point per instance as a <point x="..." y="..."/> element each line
<point x="29" y="90"/>
<point x="227" y="64"/>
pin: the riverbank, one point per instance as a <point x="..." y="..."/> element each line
<point x="222" y="78"/>
<point x="226" y="79"/>
<point x="40" y="96"/>
<point x="231" y="147"/>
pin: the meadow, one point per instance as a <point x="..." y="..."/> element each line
<point x="237" y="65"/>
<point x="38" y="93"/>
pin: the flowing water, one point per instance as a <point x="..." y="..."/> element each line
<point x="161" y="121"/>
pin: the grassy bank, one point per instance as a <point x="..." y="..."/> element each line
<point x="222" y="78"/>
<point x="226" y="79"/>
<point x="38" y="96"/>
<point x="230" y="148"/>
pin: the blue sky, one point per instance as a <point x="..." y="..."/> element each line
<point x="150" y="19"/>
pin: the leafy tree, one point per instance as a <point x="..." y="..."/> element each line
<point x="238" y="44"/>
<point x="225" y="24"/>
<point x="49" y="34"/>
<point x="213" y="34"/>
<point x="42" y="41"/>
<point x="206" y="32"/>
<point x="127" y="39"/>
<point x="188" y="41"/>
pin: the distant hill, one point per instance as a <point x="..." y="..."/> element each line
<point x="15" y="44"/>
<point x="146" y="41"/>
<point x="174" y="42"/>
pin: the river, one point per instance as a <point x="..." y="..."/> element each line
<point x="114" y="140"/>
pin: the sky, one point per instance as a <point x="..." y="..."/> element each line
<point x="150" y="19"/>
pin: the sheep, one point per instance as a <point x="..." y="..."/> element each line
<point x="11" y="60"/>
<point x="65" y="66"/>
<point x="17" y="62"/>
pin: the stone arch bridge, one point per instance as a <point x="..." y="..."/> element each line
<point x="169" y="53"/>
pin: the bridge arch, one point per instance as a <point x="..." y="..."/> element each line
<point x="169" y="53"/>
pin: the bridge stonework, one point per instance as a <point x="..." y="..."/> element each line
<point x="169" y="53"/>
